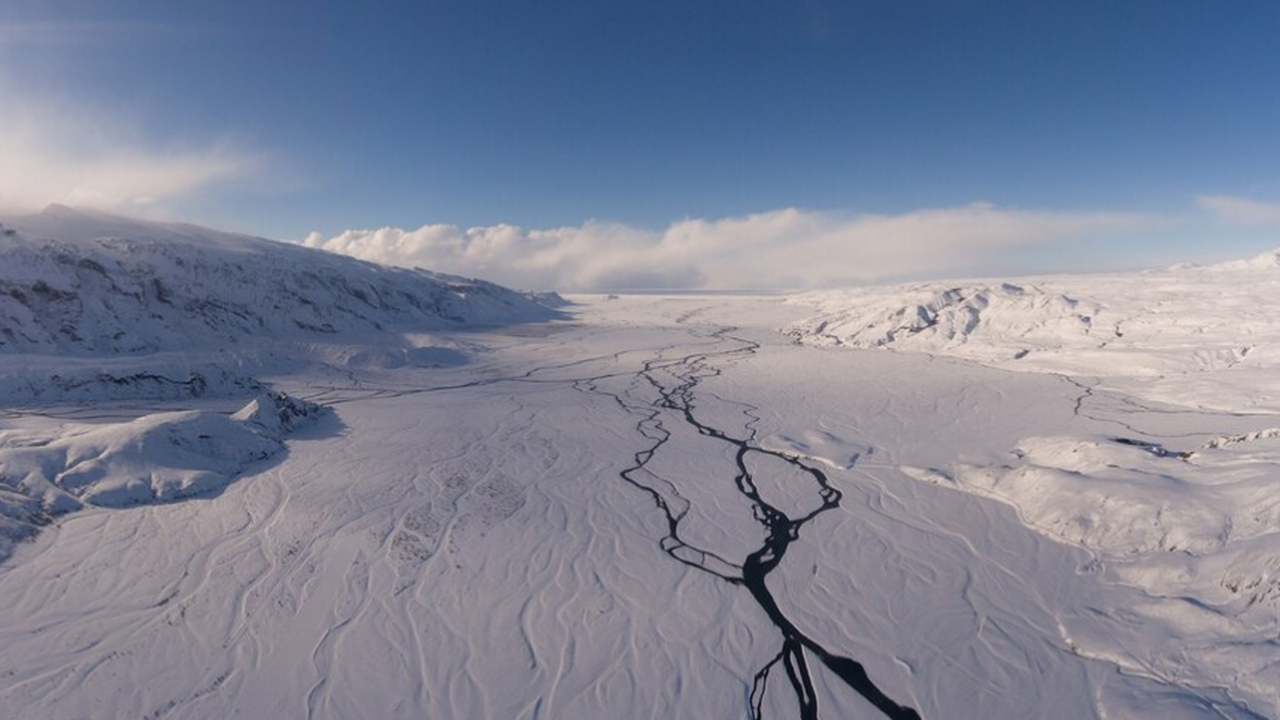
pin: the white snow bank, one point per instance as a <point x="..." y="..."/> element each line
<point x="1128" y="497"/>
<point x="929" y="317"/>
<point x="1151" y="324"/>
<point x="1195" y="530"/>
<point x="819" y="445"/>
<point x="156" y="458"/>
<point x="44" y="379"/>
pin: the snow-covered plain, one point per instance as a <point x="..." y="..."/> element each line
<point x="1173" y="489"/>
<point x="660" y="507"/>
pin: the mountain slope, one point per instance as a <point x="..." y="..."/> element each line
<point x="81" y="283"/>
<point x="95" y="307"/>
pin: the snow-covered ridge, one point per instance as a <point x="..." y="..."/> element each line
<point x="80" y="283"/>
<point x="160" y="457"/>
<point x="1194" y="529"/>
<point x="1183" y="319"/>
<point x="930" y="317"/>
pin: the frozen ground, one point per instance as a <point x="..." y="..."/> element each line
<point x="1171" y="484"/>
<point x="654" y="507"/>
<point x="565" y="529"/>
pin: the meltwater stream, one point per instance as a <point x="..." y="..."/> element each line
<point x="675" y="380"/>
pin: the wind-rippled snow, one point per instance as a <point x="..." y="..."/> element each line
<point x="491" y="534"/>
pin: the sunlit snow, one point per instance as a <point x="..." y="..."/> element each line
<point x="636" y="506"/>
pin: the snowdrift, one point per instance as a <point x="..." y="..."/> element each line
<point x="159" y="457"/>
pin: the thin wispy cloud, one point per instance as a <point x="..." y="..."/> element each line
<point x="56" y="150"/>
<point x="1240" y="211"/>
<point x="787" y="248"/>
<point x="20" y="34"/>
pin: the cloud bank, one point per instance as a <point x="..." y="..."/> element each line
<point x="783" y="249"/>
<point x="58" y="151"/>
<point x="1240" y="211"/>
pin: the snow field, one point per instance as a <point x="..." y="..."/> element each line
<point x="1168" y="482"/>
<point x="563" y="520"/>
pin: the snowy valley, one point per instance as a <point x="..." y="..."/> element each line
<point x="244" y="477"/>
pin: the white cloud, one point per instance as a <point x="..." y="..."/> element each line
<point x="1240" y="211"/>
<point x="53" y="150"/>
<point x="781" y="249"/>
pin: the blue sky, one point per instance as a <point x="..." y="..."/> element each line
<point x="287" y="117"/>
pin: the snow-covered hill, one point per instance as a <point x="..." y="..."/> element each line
<point x="96" y="308"/>
<point x="74" y="282"/>
<point x="1207" y="336"/>
<point x="1185" y="318"/>
<point x="159" y="457"/>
